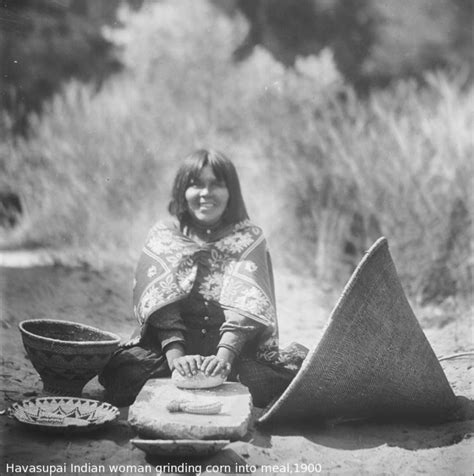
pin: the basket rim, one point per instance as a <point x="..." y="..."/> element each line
<point x="115" y="339"/>
<point x="34" y="400"/>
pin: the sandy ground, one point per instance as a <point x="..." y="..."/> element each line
<point x="102" y="297"/>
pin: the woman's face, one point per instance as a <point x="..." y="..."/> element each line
<point x="207" y="197"/>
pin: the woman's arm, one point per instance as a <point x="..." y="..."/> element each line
<point x="174" y="351"/>
<point x="236" y="332"/>
<point x="170" y="328"/>
<point x="169" y="325"/>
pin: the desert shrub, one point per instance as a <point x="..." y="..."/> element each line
<point x="323" y="171"/>
<point x="396" y="164"/>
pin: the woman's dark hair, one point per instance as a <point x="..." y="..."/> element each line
<point x="223" y="169"/>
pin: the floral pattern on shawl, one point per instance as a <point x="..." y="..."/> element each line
<point x="240" y="275"/>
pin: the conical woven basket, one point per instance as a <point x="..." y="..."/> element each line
<point x="373" y="359"/>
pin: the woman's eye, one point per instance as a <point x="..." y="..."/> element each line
<point x="218" y="184"/>
<point x="213" y="184"/>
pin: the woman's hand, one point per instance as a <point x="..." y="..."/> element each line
<point x="187" y="365"/>
<point x="214" y="365"/>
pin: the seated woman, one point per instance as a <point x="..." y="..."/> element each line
<point x="204" y="294"/>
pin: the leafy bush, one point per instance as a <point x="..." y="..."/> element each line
<point x="323" y="171"/>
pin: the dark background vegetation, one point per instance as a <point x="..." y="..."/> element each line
<point x="44" y="43"/>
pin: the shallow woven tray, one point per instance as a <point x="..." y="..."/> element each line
<point x="63" y="413"/>
<point x="373" y="359"/>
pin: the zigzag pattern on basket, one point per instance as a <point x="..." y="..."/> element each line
<point x="65" y="374"/>
<point x="51" y="359"/>
<point x="63" y="411"/>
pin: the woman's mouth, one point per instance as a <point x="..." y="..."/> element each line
<point x="207" y="205"/>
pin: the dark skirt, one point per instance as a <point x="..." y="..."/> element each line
<point x="130" y="368"/>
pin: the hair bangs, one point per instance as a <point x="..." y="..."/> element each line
<point x="223" y="169"/>
<point x="219" y="167"/>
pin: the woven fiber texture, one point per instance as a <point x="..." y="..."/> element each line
<point x="63" y="414"/>
<point x="373" y="359"/>
<point x="66" y="354"/>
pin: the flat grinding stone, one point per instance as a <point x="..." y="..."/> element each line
<point x="149" y="416"/>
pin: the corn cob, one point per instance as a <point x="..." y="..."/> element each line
<point x="209" y="408"/>
<point x="188" y="406"/>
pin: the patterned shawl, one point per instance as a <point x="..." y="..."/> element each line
<point x="240" y="279"/>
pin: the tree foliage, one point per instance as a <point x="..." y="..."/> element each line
<point x="373" y="41"/>
<point x="44" y="43"/>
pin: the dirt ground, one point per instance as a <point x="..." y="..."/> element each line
<point x="102" y="298"/>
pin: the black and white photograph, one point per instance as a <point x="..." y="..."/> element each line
<point x="236" y="237"/>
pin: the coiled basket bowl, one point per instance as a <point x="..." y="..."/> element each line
<point x="66" y="354"/>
